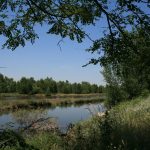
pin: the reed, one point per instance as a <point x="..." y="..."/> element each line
<point x="13" y="103"/>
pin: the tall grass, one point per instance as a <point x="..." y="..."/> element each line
<point x="124" y="127"/>
<point x="131" y="124"/>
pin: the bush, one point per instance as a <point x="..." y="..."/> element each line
<point x="114" y="95"/>
<point x="145" y="93"/>
<point x="10" y="140"/>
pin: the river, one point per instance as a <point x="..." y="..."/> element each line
<point x="63" y="116"/>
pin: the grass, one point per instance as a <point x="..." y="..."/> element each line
<point x="130" y="123"/>
<point x="12" y="101"/>
<point x="47" y="141"/>
<point x="124" y="127"/>
<point x="6" y="96"/>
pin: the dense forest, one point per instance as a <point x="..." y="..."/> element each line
<point x="46" y="86"/>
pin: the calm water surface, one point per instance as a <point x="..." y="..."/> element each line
<point x="62" y="115"/>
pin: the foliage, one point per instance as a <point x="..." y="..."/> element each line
<point x="125" y="126"/>
<point x="117" y="48"/>
<point x="10" y="140"/>
<point x="7" y="84"/>
<point x="46" y="86"/>
<point x="129" y="76"/>
<point x="145" y="93"/>
<point x="24" y="86"/>
<point x="40" y="141"/>
<point x="114" y="90"/>
<point x="68" y="19"/>
<point x="48" y="93"/>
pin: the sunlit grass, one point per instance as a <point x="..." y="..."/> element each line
<point x="45" y="141"/>
<point x="125" y="127"/>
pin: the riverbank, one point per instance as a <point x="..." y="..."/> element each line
<point x="10" y="102"/>
<point x="124" y="127"/>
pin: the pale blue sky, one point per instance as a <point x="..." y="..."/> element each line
<point x="45" y="59"/>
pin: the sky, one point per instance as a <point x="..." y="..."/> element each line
<point x="45" y="59"/>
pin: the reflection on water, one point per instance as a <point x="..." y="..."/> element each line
<point x="63" y="115"/>
<point x="26" y="117"/>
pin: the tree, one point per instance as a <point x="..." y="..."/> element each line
<point x="67" y="87"/>
<point x="67" y="18"/>
<point x="85" y="87"/>
<point x="3" y="86"/>
<point x="94" y="88"/>
<point x="128" y="77"/>
<point x="40" y="84"/>
<point x="60" y="87"/>
<point x="25" y="86"/>
<point x="48" y="92"/>
<point x="76" y="88"/>
<point x="7" y="85"/>
<point x="10" y="84"/>
<point x="113" y="87"/>
<point x="101" y="89"/>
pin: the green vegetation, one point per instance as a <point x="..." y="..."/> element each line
<point x="124" y="127"/>
<point x="68" y="19"/>
<point x="128" y="77"/>
<point x="46" y="86"/>
<point x="125" y="54"/>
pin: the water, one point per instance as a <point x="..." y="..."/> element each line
<point x="62" y="115"/>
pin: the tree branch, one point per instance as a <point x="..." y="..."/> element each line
<point x="45" y="11"/>
<point x="108" y="17"/>
<point x="74" y="23"/>
<point x="111" y="33"/>
<point x="28" y="2"/>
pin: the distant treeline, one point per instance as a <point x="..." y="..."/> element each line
<point x="46" y="86"/>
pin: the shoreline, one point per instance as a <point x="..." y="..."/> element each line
<point x="41" y="101"/>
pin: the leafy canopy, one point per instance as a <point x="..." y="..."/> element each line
<point x="68" y="17"/>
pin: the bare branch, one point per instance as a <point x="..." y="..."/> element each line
<point x="59" y="44"/>
<point x="34" y="122"/>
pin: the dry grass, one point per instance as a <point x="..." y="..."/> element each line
<point x="13" y="102"/>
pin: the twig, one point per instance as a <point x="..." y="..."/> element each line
<point x="45" y="11"/>
<point x="59" y="45"/>
<point x="109" y="17"/>
<point x="75" y="24"/>
<point x="1" y="143"/>
<point x="34" y="122"/>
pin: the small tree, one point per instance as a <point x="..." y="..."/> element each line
<point x="24" y="86"/>
<point x="48" y="92"/>
<point x="114" y="89"/>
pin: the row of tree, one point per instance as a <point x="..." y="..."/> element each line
<point x="46" y="86"/>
